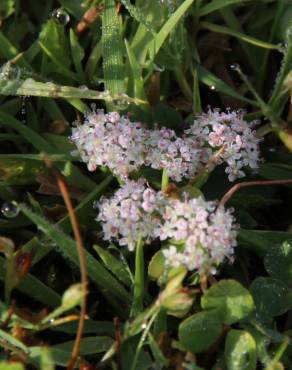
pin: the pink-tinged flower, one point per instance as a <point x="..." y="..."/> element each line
<point x="229" y="130"/>
<point x="179" y="156"/>
<point x="110" y="140"/>
<point x="131" y="213"/>
<point x="208" y="234"/>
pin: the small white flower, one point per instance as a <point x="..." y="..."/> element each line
<point x="208" y="232"/>
<point x="130" y="214"/>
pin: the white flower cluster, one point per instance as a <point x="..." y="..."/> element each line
<point x="230" y="131"/>
<point x="180" y="157"/>
<point x="110" y="140"/>
<point x="124" y="146"/>
<point x="207" y="232"/>
<point x="130" y="214"/>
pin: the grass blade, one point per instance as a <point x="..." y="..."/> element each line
<point x="218" y="4"/>
<point x="112" y="47"/>
<point x="67" y="247"/>
<point x="241" y="36"/>
<point x="155" y="45"/>
<point x="138" y="296"/>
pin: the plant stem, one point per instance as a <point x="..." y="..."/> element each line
<point x="165" y="179"/>
<point x="237" y="187"/>
<point x="75" y="227"/>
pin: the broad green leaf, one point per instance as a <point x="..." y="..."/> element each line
<point x="218" y="4"/>
<point x="240" y="351"/>
<point x="230" y="299"/>
<point x="67" y="247"/>
<point x="272" y="297"/>
<point x="242" y="36"/>
<point x="199" y="331"/>
<point x="156" y="265"/>
<point x="278" y="262"/>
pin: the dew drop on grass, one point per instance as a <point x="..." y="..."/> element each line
<point x="60" y="17"/>
<point x="235" y="66"/>
<point x="158" y="67"/>
<point x="9" y="210"/>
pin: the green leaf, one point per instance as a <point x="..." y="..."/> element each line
<point x="240" y="351"/>
<point x="198" y="332"/>
<point x="14" y="342"/>
<point x="53" y="39"/>
<point x="6" y="8"/>
<point x="61" y="353"/>
<point x="67" y="247"/>
<point x="155" y="44"/>
<point x="77" y="53"/>
<point x="230" y="299"/>
<point x="272" y="297"/>
<point x="114" y="265"/>
<point x="239" y="35"/>
<point x="218" y="4"/>
<point x="278" y="262"/>
<point x="211" y="80"/>
<point x="156" y="265"/>
<point x="112" y="47"/>
<point x="139" y="281"/>
<point x="34" y="288"/>
<point x="11" y="366"/>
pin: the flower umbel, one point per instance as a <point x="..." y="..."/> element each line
<point x="131" y="212"/>
<point x="110" y="140"/>
<point x="216" y="129"/>
<point x="207" y="233"/>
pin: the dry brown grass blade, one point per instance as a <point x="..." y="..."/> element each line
<point x="77" y="234"/>
<point x="241" y="185"/>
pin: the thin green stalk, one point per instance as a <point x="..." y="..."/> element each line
<point x="142" y="340"/>
<point x="139" y="283"/>
<point x="282" y="348"/>
<point x="165" y="179"/>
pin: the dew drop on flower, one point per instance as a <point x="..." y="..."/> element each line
<point x="9" y="210"/>
<point x="60" y="17"/>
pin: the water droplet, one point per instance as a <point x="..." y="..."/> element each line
<point x="51" y="321"/>
<point x="60" y="17"/>
<point x="83" y="87"/>
<point x="235" y="66"/>
<point x="213" y="87"/>
<point x="144" y="325"/>
<point x="158" y="67"/>
<point x="9" y="210"/>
